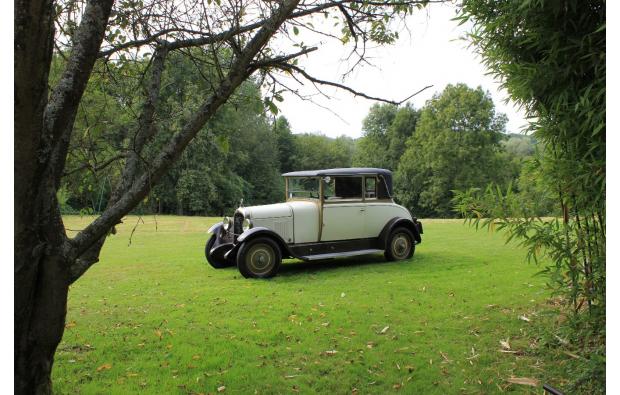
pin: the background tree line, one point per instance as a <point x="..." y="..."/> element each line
<point x="455" y="141"/>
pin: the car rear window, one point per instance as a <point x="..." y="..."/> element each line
<point x="370" y="188"/>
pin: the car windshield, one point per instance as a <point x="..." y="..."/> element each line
<point x="303" y="187"/>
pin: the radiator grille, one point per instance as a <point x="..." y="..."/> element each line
<point x="238" y="223"/>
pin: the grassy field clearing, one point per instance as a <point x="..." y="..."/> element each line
<point x="153" y="317"/>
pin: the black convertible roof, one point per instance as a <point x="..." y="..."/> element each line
<point x="346" y="171"/>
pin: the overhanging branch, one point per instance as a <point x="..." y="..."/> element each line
<point x="273" y="62"/>
<point x="292" y="68"/>
<point x="239" y="72"/>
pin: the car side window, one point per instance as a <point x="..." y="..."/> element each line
<point x="370" y="188"/>
<point x="342" y="188"/>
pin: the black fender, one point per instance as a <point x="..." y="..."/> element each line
<point x="221" y="246"/>
<point x="260" y="231"/>
<point x="215" y="228"/>
<point x="398" y="222"/>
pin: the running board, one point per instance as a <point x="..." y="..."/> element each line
<point x="339" y="254"/>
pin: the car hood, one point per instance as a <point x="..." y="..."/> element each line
<point x="276" y="210"/>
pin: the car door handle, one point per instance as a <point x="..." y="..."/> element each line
<point x="362" y="209"/>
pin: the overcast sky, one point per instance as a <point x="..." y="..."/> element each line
<point x="429" y="53"/>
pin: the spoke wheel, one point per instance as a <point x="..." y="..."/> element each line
<point x="400" y="245"/>
<point x="259" y="258"/>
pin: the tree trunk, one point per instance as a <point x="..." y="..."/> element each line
<point x="41" y="283"/>
<point x="42" y="302"/>
<point x="40" y="266"/>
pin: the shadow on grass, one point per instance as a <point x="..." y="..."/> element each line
<point x="420" y="263"/>
<point x="434" y="263"/>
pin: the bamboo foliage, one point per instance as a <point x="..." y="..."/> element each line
<point x="550" y="57"/>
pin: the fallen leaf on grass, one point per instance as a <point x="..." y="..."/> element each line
<point x="221" y="389"/>
<point x="158" y="333"/>
<point x="523" y="381"/>
<point x="570" y="354"/>
<point x="342" y="295"/>
<point x="516" y="352"/>
<point x="505" y="344"/>
<point x="330" y="352"/>
<point x="524" y="318"/>
<point x="70" y="324"/>
<point x="196" y="357"/>
<point x="105" y="366"/>
<point x="384" y="330"/>
<point x="445" y="357"/>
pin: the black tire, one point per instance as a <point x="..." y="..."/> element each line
<point x="217" y="261"/>
<point x="259" y="258"/>
<point x="400" y="245"/>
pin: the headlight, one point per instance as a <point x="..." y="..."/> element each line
<point x="226" y="222"/>
<point x="247" y="224"/>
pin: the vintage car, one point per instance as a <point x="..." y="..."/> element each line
<point x="327" y="214"/>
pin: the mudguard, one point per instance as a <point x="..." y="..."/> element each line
<point x="215" y="228"/>
<point x="222" y="244"/>
<point x="258" y="232"/>
<point x="397" y="222"/>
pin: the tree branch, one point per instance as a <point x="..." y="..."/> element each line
<point x="210" y="38"/>
<point x="238" y="73"/>
<point x="349" y="20"/>
<point x="290" y="68"/>
<point x="95" y="168"/>
<point x="64" y="101"/>
<point x="270" y="62"/>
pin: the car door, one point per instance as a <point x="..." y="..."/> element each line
<point x="343" y="209"/>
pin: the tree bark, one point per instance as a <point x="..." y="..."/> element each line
<point x="39" y="302"/>
<point x="42" y="128"/>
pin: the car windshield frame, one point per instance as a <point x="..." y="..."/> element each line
<point x="312" y="193"/>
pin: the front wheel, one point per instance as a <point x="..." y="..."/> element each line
<point x="259" y="258"/>
<point x="216" y="260"/>
<point x="400" y="245"/>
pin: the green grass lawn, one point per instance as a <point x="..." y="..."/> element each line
<point x="153" y="317"/>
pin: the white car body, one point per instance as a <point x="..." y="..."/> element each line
<point x="327" y="214"/>
<point x="297" y="221"/>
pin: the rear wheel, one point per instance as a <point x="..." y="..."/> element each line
<point x="216" y="260"/>
<point x="400" y="245"/>
<point x="259" y="258"/>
